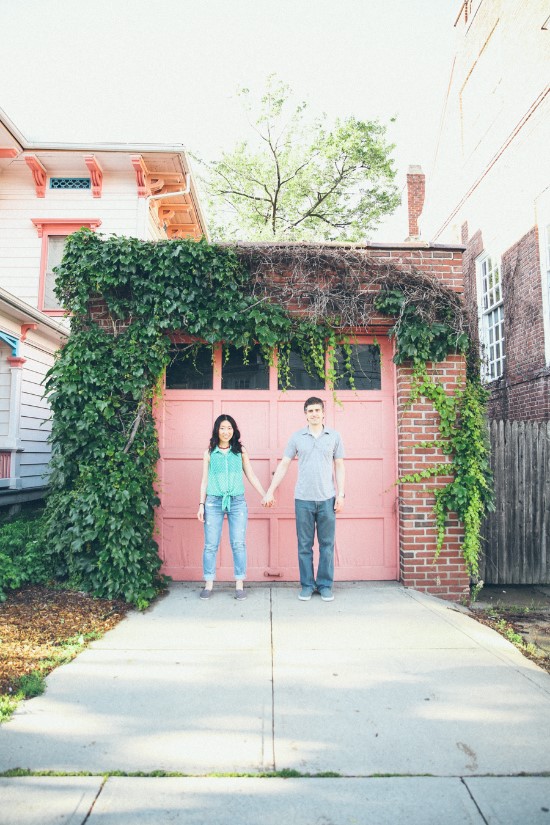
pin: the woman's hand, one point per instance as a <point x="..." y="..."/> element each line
<point x="200" y="514"/>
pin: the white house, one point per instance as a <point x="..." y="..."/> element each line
<point x="48" y="191"/>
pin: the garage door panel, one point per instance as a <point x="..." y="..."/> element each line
<point x="185" y="433"/>
<point x="363" y="426"/>
<point x="184" y="540"/>
<point x="252" y="417"/>
<point x="262" y="468"/>
<point x="359" y="542"/>
<point x="180" y="481"/>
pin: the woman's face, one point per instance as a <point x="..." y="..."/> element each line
<point x="225" y="433"/>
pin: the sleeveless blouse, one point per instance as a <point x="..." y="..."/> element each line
<point x="225" y="476"/>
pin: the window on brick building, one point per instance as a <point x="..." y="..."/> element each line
<point x="491" y="310"/>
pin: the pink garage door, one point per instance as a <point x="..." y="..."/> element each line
<point x="197" y="391"/>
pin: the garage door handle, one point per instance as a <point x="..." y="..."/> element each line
<point x="270" y="573"/>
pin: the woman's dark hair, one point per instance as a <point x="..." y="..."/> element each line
<point x="235" y="443"/>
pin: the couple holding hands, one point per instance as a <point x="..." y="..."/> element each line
<point x="320" y="455"/>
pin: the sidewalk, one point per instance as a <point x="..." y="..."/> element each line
<point x="423" y="714"/>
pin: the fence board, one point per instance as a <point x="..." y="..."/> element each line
<point x="516" y="536"/>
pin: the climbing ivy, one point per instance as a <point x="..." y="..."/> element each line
<point x="100" y="512"/>
<point x="462" y="422"/>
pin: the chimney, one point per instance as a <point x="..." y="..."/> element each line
<point x="416" y="187"/>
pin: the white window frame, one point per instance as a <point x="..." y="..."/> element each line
<point x="491" y="317"/>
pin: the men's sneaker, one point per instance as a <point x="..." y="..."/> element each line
<point x="305" y="594"/>
<point x="326" y="594"/>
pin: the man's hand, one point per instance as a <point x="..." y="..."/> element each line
<point x="339" y="504"/>
<point x="268" y="500"/>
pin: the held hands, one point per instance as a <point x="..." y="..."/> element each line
<point x="268" y="500"/>
<point x="339" y="504"/>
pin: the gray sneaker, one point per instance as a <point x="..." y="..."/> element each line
<point x="326" y="594"/>
<point x="205" y="593"/>
<point x="305" y="594"/>
<point x="240" y="595"/>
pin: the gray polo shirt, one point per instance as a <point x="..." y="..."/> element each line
<point x="315" y="462"/>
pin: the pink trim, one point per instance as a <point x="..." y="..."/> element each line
<point x="97" y="174"/>
<point x="141" y="174"/>
<point x="25" y="328"/>
<point x="16" y="361"/>
<point x="6" y="152"/>
<point x="63" y="226"/>
<point x="39" y="175"/>
<point x="5" y="465"/>
<point x="56" y="226"/>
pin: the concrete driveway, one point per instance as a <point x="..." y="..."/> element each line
<point x="420" y="712"/>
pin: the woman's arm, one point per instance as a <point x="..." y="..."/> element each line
<point x="204" y="484"/>
<point x="251" y="475"/>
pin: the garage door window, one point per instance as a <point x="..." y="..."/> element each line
<point x="365" y="362"/>
<point x="300" y="377"/>
<point x="190" y="368"/>
<point x="244" y="370"/>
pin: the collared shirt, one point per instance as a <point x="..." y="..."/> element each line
<point x="315" y="462"/>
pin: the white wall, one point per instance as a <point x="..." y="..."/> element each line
<point x="20" y="246"/>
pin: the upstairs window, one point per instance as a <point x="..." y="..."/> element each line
<point x="54" y="233"/>
<point x="491" y="312"/>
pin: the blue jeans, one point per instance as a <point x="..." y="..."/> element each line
<point x="309" y="515"/>
<point x="237" y="518"/>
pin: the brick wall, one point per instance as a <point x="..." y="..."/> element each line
<point x="447" y="576"/>
<point x="523" y="392"/>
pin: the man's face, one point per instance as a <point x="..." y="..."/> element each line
<point x="314" y="414"/>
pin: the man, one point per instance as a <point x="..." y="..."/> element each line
<point x="320" y="457"/>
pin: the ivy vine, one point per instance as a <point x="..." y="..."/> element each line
<point x="100" y="511"/>
<point x="462" y="421"/>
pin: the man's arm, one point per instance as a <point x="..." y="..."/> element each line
<point x="340" y="473"/>
<point x="278" y="476"/>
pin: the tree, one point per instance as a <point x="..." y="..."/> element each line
<point x="301" y="180"/>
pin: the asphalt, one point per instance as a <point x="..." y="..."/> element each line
<point x="384" y="706"/>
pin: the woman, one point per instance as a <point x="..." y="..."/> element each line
<point x="222" y="491"/>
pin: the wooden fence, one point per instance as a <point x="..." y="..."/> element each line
<point x="516" y="542"/>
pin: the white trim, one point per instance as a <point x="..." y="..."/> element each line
<point x="490" y="304"/>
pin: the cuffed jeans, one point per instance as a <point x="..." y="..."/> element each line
<point x="309" y="515"/>
<point x="237" y="517"/>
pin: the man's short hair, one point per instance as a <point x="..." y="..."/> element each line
<point x="313" y="400"/>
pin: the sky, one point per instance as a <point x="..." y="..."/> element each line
<point x="167" y="71"/>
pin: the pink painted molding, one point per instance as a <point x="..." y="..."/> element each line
<point x="8" y="152"/>
<point x="63" y="226"/>
<point x="39" y="175"/>
<point x="141" y="175"/>
<point x="25" y="329"/>
<point x="16" y="361"/>
<point x="96" y="173"/>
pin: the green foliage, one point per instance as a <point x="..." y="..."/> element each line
<point x="300" y="179"/>
<point x="99" y="522"/>
<point x="102" y="388"/>
<point x="22" y="554"/>
<point x="419" y="340"/>
<point x="32" y="684"/>
<point x="464" y="438"/>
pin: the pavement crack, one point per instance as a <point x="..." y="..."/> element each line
<point x="272" y="681"/>
<point x="96" y="797"/>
